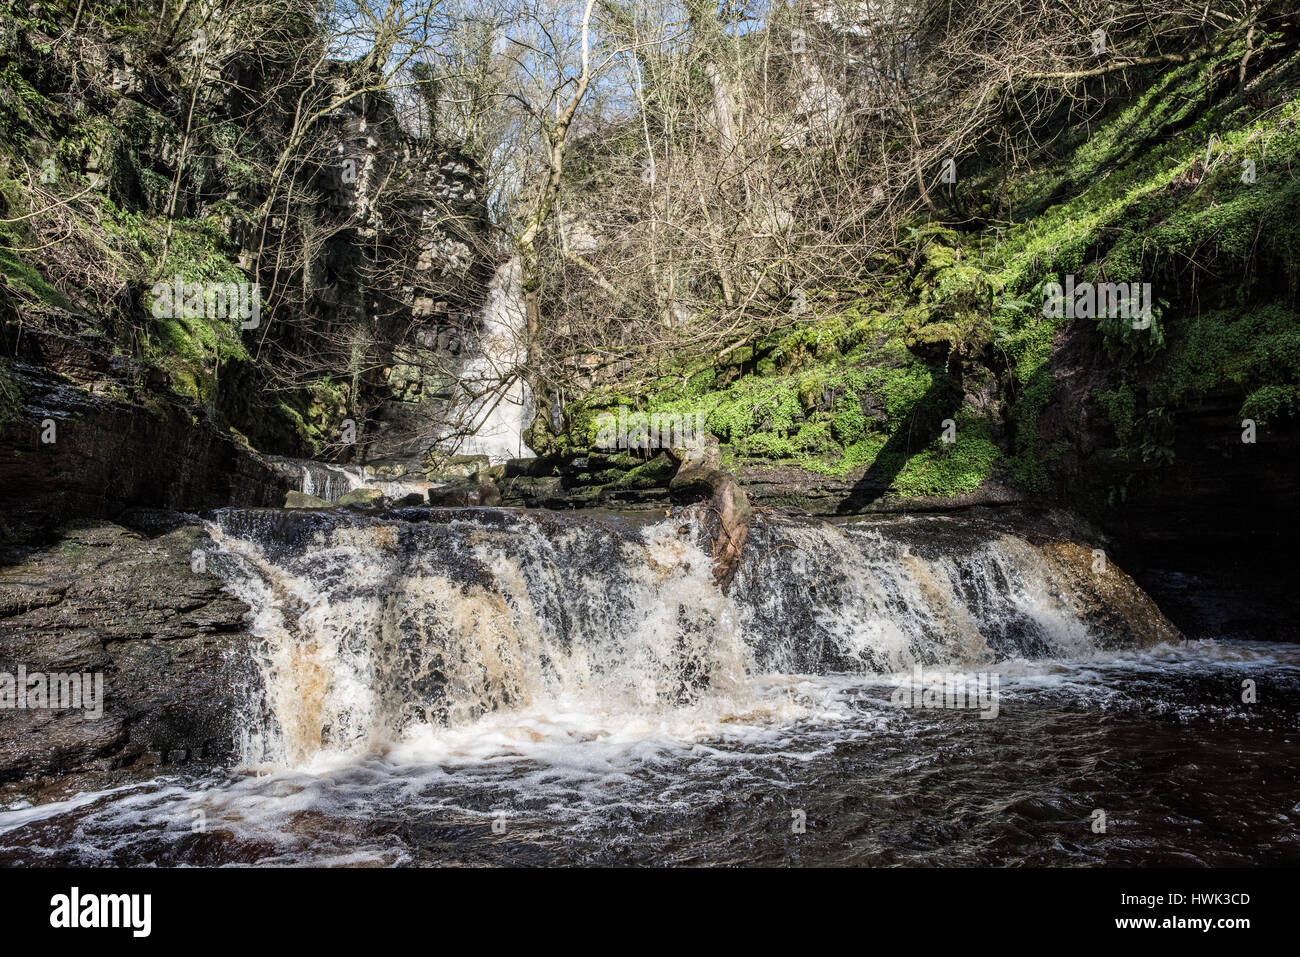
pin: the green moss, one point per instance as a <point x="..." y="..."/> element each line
<point x="1121" y="408"/>
<point x="315" y="414"/>
<point x="1127" y="198"/>
<point x="951" y="470"/>
<point x="22" y="275"/>
<point x="829" y="398"/>
<point x="655" y="473"/>
<point x="1271" y="402"/>
<point x="849" y="425"/>
<point x="1257" y="350"/>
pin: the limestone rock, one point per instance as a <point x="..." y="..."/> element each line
<point x="150" y="618"/>
<point x="362" y="497"/>
<point x="303" y="500"/>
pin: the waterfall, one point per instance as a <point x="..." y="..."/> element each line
<point x="331" y="482"/>
<point x="494" y="405"/>
<point x="375" y="629"/>
<point x="884" y="596"/>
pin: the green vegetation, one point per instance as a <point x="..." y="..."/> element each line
<point x="1186" y="180"/>
<point x="1128" y="199"/>
<point x="95" y="207"/>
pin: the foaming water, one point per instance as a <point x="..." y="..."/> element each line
<point x="493" y="687"/>
<point x="374" y="631"/>
<point x="1159" y="738"/>
<point x="331" y="482"/>
<point x="493" y="405"/>
<point x="887" y="595"/>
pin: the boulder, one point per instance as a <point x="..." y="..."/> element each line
<point x="440" y="465"/>
<point x="303" y="500"/>
<point x="362" y="498"/>
<point x="699" y="472"/>
<point x="538" y="467"/>
<point x="467" y="493"/>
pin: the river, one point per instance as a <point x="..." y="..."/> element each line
<point x="493" y="687"/>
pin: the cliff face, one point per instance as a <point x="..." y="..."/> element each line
<point x="409" y="266"/>
<point x="128" y="162"/>
<point x="89" y="439"/>
<point x="1206" y="520"/>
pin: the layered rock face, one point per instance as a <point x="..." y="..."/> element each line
<point x="87" y="440"/>
<point x="383" y="253"/>
<point x="414" y="263"/>
<point x="141" y="614"/>
<point x="367" y="237"/>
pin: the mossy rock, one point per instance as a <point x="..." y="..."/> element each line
<point x="439" y="464"/>
<point x="303" y="500"/>
<point x="362" y="498"/>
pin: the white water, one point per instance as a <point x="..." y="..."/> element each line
<point x="494" y="406"/>
<point x="555" y="781"/>
<point x="331" y="482"/>
<point x="536" y="633"/>
<point x="370" y="645"/>
<point x="537" y="688"/>
<point x="863" y="599"/>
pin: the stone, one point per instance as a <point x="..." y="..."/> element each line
<point x="303" y="500"/>
<point x="699" y="472"/>
<point x="727" y="516"/>
<point x="112" y="453"/>
<point x="465" y="494"/>
<point x="362" y="497"/>
<point x="538" y="466"/>
<point x="439" y="465"/>
<point x="168" y="641"/>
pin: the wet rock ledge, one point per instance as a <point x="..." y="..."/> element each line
<point x="167" y="640"/>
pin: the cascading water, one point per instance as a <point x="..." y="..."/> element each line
<point x="331" y="482"/>
<point x="493" y="406"/>
<point x="378" y="630"/>
<point x="486" y="686"/>
<point x="488" y="415"/>
<point x="372" y="629"/>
